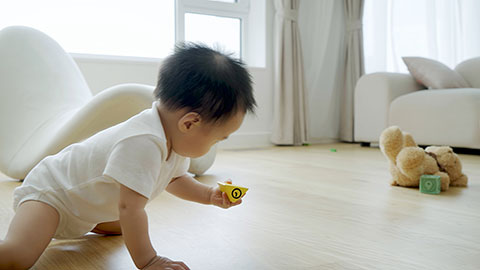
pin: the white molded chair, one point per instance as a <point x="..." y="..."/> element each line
<point x="46" y="104"/>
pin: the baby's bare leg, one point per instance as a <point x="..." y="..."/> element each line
<point x="110" y="228"/>
<point x="29" y="234"/>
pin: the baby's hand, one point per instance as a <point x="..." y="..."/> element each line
<point x="220" y="199"/>
<point x="162" y="263"/>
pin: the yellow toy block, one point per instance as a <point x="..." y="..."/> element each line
<point x="234" y="193"/>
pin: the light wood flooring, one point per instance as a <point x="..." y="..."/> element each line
<point x="307" y="208"/>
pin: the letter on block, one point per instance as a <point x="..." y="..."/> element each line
<point x="430" y="184"/>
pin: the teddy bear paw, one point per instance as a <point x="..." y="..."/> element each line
<point x="460" y="182"/>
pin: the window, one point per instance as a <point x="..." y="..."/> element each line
<point x="227" y="34"/>
<point x="108" y="27"/>
<point x="215" y="23"/>
<point x="233" y="26"/>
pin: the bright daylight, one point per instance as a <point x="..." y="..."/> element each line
<point x="240" y="134"/>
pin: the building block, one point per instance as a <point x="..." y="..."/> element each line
<point x="234" y="193"/>
<point x="430" y="184"/>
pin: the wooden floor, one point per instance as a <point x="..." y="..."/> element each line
<point x="307" y="208"/>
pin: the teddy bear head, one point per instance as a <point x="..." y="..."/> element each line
<point x="448" y="162"/>
<point x="443" y="154"/>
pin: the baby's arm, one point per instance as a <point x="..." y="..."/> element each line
<point x="134" y="223"/>
<point x="133" y="220"/>
<point x="187" y="188"/>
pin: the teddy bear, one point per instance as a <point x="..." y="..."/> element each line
<point x="408" y="161"/>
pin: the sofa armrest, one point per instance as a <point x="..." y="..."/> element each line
<point x="373" y="95"/>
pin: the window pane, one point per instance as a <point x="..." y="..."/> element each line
<point x="109" y="27"/>
<point x="219" y="32"/>
<point x="227" y="1"/>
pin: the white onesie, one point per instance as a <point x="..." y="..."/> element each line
<point x="83" y="180"/>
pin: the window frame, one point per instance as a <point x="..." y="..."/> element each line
<point x="238" y="10"/>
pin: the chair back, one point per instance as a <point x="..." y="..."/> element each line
<point x="39" y="82"/>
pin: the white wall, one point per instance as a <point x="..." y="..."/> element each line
<point x="103" y="72"/>
<point x="255" y="130"/>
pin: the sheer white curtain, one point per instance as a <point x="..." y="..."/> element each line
<point x="445" y="30"/>
<point x="322" y="30"/>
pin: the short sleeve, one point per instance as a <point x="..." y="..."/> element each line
<point x="182" y="167"/>
<point x="135" y="163"/>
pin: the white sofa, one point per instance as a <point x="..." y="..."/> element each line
<point x="433" y="117"/>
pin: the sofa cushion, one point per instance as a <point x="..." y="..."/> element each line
<point x="445" y="117"/>
<point x="470" y="71"/>
<point x="434" y="74"/>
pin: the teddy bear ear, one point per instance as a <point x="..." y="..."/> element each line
<point x="442" y="152"/>
<point x="391" y="142"/>
<point x="390" y="132"/>
<point x="444" y="149"/>
<point x="408" y="140"/>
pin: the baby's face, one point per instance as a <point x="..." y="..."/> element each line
<point x="207" y="135"/>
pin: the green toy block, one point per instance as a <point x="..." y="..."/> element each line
<point x="430" y="184"/>
<point x="333" y="150"/>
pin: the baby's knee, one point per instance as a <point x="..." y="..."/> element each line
<point x="14" y="257"/>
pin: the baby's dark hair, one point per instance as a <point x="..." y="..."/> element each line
<point x="206" y="81"/>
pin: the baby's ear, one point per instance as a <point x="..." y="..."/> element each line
<point x="189" y="121"/>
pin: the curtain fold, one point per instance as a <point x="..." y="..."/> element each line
<point x="354" y="65"/>
<point x="290" y="123"/>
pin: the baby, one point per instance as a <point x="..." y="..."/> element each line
<point x="103" y="183"/>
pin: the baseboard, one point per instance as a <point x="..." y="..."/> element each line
<point x="246" y="140"/>
<point x="323" y="140"/>
<point x="261" y="139"/>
